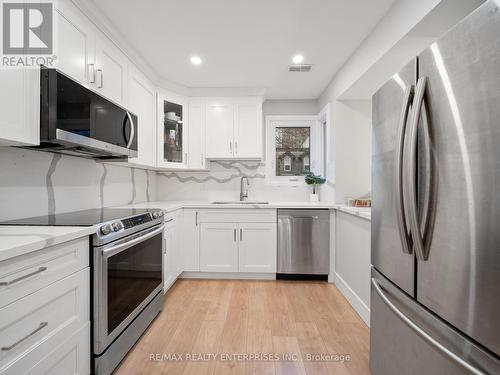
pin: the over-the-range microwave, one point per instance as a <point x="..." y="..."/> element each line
<point x="77" y="121"/>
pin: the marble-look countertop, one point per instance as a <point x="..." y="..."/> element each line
<point x="363" y="212"/>
<point x="169" y="206"/>
<point x="19" y="240"/>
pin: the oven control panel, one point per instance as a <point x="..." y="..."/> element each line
<point x="136" y="220"/>
<point x="119" y="228"/>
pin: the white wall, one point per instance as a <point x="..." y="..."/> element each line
<point x="352" y="151"/>
<point x="35" y="183"/>
<point x="290" y="107"/>
<point x="401" y="18"/>
<point x="351" y="119"/>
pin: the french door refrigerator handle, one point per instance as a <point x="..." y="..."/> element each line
<point x="424" y="335"/>
<point x="420" y="251"/>
<point x="400" y="208"/>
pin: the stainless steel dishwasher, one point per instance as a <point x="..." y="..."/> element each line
<point x="303" y="243"/>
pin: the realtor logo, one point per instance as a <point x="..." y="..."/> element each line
<point x="27" y="28"/>
<point x="27" y="34"/>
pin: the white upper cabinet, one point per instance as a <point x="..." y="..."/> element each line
<point x="248" y="128"/>
<point x="76" y="44"/>
<point x="172" y="131"/>
<point x="196" y="136"/>
<point x="110" y="70"/>
<point x="234" y="128"/>
<point x="19" y="107"/>
<point x="142" y="102"/>
<point x="219" y="128"/>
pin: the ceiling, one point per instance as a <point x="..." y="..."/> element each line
<point x="245" y="43"/>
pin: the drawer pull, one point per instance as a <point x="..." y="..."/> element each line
<point x="10" y="282"/>
<point x="39" y="328"/>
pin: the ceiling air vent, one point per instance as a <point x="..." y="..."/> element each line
<point x="302" y="68"/>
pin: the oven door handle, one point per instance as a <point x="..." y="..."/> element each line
<point x="124" y="246"/>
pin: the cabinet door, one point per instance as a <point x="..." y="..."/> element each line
<point x="178" y="265"/>
<point x="142" y="102"/>
<point x="257" y="247"/>
<point x="248" y="128"/>
<point x="219" y="125"/>
<point x="168" y="274"/>
<point x="196" y="136"/>
<point x="172" y="131"/>
<point x="19" y="107"/>
<point x="218" y="247"/>
<point x="111" y="70"/>
<point x="76" y="44"/>
<point x="191" y="235"/>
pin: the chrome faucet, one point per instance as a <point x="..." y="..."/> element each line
<point x="243" y="195"/>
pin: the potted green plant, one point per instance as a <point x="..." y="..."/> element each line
<point x="312" y="179"/>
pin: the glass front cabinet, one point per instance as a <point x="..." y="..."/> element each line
<point x="172" y="131"/>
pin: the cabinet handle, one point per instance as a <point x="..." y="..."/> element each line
<point x="185" y="157"/>
<point x="201" y="160"/>
<point x="234" y="235"/>
<point x="230" y="147"/>
<point x="196" y="218"/>
<point x="39" y="328"/>
<point x="236" y="147"/>
<point x="101" y="84"/>
<point x="10" y="282"/>
<point x="241" y="234"/>
<point x="91" y="75"/>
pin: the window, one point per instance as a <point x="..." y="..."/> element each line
<point x="287" y="164"/>
<point x="292" y="149"/>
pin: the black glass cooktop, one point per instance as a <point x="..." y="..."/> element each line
<point x="85" y="218"/>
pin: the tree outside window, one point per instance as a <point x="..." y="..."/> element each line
<point x="292" y="150"/>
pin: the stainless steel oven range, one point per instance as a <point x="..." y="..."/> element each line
<point x="127" y="280"/>
<point x="127" y="284"/>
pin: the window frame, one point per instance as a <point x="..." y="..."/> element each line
<point x="315" y="147"/>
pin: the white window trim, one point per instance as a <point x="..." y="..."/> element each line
<point x="324" y="117"/>
<point x="315" y="146"/>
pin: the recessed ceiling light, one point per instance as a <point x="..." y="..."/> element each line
<point x="298" y="59"/>
<point x="195" y="60"/>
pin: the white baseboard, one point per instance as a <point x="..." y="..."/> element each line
<point x="356" y="302"/>
<point x="228" y="275"/>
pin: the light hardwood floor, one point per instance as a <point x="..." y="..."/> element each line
<point x="274" y="317"/>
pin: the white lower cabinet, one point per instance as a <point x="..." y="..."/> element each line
<point x="257" y="247"/>
<point x="45" y="311"/>
<point x="232" y="246"/>
<point x="173" y="247"/>
<point x="71" y="356"/>
<point x="218" y="247"/>
<point x="190" y="256"/>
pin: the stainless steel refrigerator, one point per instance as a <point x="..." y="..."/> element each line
<point x="435" y="288"/>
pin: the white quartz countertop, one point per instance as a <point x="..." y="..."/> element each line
<point x="168" y="206"/>
<point x="363" y="212"/>
<point x="19" y="240"/>
<point x="175" y="205"/>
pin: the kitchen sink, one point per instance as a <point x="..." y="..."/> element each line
<point x="238" y="202"/>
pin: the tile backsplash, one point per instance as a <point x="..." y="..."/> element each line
<point x="34" y="183"/>
<point x="223" y="183"/>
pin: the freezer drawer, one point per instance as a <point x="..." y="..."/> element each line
<point x="304" y="242"/>
<point x="397" y="348"/>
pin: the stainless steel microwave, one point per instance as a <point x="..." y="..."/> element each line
<point x="77" y="121"/>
